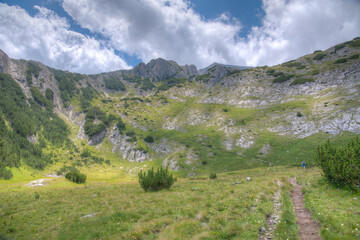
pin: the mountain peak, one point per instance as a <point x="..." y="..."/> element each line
<point x="160" y="69"/>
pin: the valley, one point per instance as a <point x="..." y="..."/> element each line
<point x="238" y="122"/>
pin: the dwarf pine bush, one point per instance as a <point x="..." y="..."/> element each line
<point x="212" y="176"/>
<point x="76" y="177"/>
<point x="340" y="164"/>
<point x="156" y="180"/>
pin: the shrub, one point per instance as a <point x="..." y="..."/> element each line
<point x="339" y="46"/>
<point x="270" y="71"/>
<point x="86" y="153"/>
<point x="355" y="43"/>
<point x="340" y="165"/>
<point x="147" y="84"/>
<point x="38" y="97"/>
<point x="156" y="181"/>
<point x="114" y="83"/>
<point x="301" y="81"/>
<point x="293" y="63"/>
<point x="341" y="60"/>
<point x="355" y="56"/>
<point x="49" y="94"/>
<point x="92" y="129"/>
<point x="277" y="74"/>
<point x="121" y="125"/>
<point x="319" y="56"/>
<point x="149" y="139"/>
<point x="204" y="162"/>
<point x="76" y="177"/>
<point x="314" y="72"/>
<point x="5" y="173"/>
<point x="212" y="176"/>
<point x="299" y="114"/>
<point x="36" y="195"/>
<point x="283" y="78"/>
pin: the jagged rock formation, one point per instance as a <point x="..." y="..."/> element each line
<point x="127" y="149"/>
<point x="160" y="69"/>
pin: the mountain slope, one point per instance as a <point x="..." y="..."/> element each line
<point x="221" y="119"/>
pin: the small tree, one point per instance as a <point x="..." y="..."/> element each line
<point x="212" y="176"/>
<point x="156" y="181"/>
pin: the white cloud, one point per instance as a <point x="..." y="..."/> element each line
<point x="296" y="27"/>
<point x="46" y="38"/>
<point x="173" y="30"/>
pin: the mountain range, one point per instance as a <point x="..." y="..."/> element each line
<point x="219" y="118"/>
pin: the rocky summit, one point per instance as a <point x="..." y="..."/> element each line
<point x="221" y="117"/>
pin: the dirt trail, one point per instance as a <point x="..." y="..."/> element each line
<point x="308" y="229"/>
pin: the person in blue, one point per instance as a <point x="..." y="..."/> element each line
<point x="303" y="165"/>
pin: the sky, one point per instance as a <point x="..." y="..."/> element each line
<point x="92" y="36"/>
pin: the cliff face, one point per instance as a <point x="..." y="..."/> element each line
<point x="317" y="93"/>
<point x="4" y="62"/>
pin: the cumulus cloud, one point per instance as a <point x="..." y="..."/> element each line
<point x="292" y="28"/>
<point x="173" y="30"/>
<point x="157" y="28"/>
<point x="47" y="38"/>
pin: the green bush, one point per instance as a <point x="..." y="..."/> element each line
<point x="339" y="46"/>
<point x="283" y="78"/>
<point x="146" y="84"/>
<point x="114" y="83"/>
<point x="355" y="43"/>
<point x="36" y="195"/>
<point x="5" y="173"/>
<point x="301" y="81"/>
<point x="293" y="63"/>
<point x="299" y="114"/>
<point x="341" y="60"/>
<point x="319" y="56"/>
<point x="92" y="129"/>
<point x="270" y="71"/>
<point x="67" y="84"/>
<point x="76" y="177"/>
<point x="149" y="139"/>
<point x="355" y="56"/>
<point x="121" y="125"/>
<point x="341" y="165"/>
<point x="49" y="94"/>
<point x="156" y="181"/>
<point x="38" y="97"/>
<point x="212" y="176"/>
<point x="31" y="69"/>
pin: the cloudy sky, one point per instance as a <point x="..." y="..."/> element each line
<point x="92" y="36"/>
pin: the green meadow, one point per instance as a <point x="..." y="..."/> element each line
<point x="228" y="207"/>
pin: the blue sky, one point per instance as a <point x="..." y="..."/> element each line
<point x="96" y="36"/>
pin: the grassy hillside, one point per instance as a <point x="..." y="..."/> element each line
<point x="264" y="116"/>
